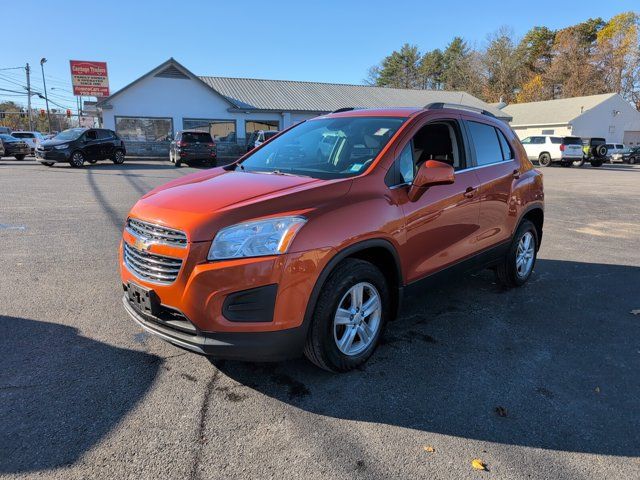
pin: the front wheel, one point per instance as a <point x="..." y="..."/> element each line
<point x="20" y="157"/>
<point x="76" y="160"/>
<point x="544" y="160"/>
<point x="516" y="268"/>
<point x="349" y="316"/>
<point x="118" y="157"/>
<point x="632" y="160"/>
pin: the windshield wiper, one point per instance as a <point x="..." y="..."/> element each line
<point x="278" y="172"/>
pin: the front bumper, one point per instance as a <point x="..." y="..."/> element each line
<point x="52" y="155"/>
<point x="13" y="151"/>
<point x="257" y="346"/>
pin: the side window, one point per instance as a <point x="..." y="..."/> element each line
<point x="103" y="134"/>
<point x="91" y="135"/>
<point x="406" y="165"/>
<point x="485" y="141"/>
<point x="556" y="140"/>
<point x="507" y="151"/>
<point x="526" y="141"/>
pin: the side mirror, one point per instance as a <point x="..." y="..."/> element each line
<point x="430" y="173"/>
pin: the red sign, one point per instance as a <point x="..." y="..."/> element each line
<point x="89" y="79"/>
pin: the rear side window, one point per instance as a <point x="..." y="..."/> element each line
<point x="486" y="143"/>
<point x="538" y="140"/>
<point x="201" y="137"/>
<point x="507" y="151"/>
<point x="556" y="140"/>
<point x="104" y="134"/>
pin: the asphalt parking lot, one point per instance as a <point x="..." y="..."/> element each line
<point x="538" y="382"/>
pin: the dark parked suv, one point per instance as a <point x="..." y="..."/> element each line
<point x="13" y="147"/>
<point x="78" y="145"/>
<point x="193" y="146"/>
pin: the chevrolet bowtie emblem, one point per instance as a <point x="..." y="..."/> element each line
<point x="141" y="244"/>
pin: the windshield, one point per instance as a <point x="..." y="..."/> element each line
<point x="304" y="150"/>
<point x="7" y="137"/>
<point x="71" y="134"/>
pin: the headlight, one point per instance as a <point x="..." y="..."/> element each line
<point x="61" y="147"/>
<point x="271" y="236"/>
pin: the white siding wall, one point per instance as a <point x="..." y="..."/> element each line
<point x="601" y="121"/>
<point x="559" y="130"/>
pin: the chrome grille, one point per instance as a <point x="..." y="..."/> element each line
<point x="150" y="266"/>
<point x="152" y="233"/>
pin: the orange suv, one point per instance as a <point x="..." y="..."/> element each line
<point x="288" y="251"/>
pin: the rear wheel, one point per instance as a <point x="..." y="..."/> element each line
<point x="632" y="160"/>
<point x="578" y="163"/>
<point x="118" y="157"/>
<point x="349" y="316"/>
<point x="544" y="160"/>
<point x="20" y="157"/>
<point x="596" y="163"/>
<point x="76" y="160"/>
<point x="516" y="268"/>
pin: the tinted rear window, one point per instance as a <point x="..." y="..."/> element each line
<point x="572" y="141"/>
<point x="556" y="140"/>
<point x="486" y="143"/>
<point x="23" y="135"/>
<point x="201" y="137"/>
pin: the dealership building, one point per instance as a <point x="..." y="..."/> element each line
<point x="606" y="116"/>
<point x="149" y="111"/>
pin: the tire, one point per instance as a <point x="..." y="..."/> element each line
<point x="596" y="163"/>
<point x="508" y="272"/>
<point x="20" y="157"/>
<point x="600" y="151"/>
<point x="325" y="335"/>
<point x="118" y="157"/>
<point x="177" y="162"/>
<point x="632" y="160"/>
<point x="544" y="159"/>
<point x="77" y="159"/>
<point x="578" y="163"/>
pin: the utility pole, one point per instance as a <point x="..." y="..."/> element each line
<point x="28" y="70"/>
<point x="46" y="98"/>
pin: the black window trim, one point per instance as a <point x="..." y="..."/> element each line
<point x="473" y="150"/>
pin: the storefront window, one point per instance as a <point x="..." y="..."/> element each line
<point x="141" y="129"/>
<point x="221" y="130"/>
<point x="253" y="126"/>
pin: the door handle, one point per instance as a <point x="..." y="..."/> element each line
<point x="470" y="192"/>
<point x="516" y="174"/>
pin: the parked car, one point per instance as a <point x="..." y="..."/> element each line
<point x="32" y="139"/>
<point x="5" y="130"/>
<point x="14" y="147"/>
<point x="258" y="138"/>
<point x="614" y="149"/>
<point x="1" y="148"/>
<point x="594" y="151"/>
<point x="630" y="155"/>
<point x="547" y="149"/>
<point x="76" y="146"/>
<point x="192" y="146"/>
<point x="281" y="252"/>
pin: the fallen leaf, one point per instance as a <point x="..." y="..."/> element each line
<point x="501" y="411"/>
<point x="429" y="448"/>
<point x="635" y="312"/>
<point x="597" y="389"/>
<point x="478" y="464"/>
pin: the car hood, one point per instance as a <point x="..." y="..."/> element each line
<point x="202" y="203"/>
<point x="52" y="142"/>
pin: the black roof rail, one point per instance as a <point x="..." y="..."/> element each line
<point x="441" y="105"/>
<point x="344" y="109"/>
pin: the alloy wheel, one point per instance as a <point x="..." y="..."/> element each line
<point x="357" y="319"/>
<point x="525" y="254"/>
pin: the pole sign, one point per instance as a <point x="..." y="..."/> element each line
<point x="89" y="79"/>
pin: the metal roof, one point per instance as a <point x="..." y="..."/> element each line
<point x="287" y="95"/>
<point x="555" y="112"/>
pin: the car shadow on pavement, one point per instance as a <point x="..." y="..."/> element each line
<point x="552" y="365"/>
<point x="61" y="393"/>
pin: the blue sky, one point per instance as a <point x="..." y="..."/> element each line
<point x="331" y="41"/>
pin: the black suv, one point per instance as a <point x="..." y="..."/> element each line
<point x="191" y="146"/>
<point x="78" y="145"/>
